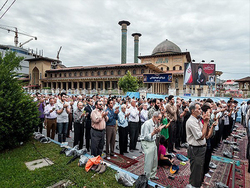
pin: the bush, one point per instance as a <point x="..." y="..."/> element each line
<point x="18" y="112"/>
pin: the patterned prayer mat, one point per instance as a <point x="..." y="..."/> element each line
<point x="122" y="161"/>
<point x="181" y="179"/>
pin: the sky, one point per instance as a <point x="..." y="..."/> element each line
<point x="89" y="33"/>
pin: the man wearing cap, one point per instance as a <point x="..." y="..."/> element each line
<point x="196" y="132"/>
<point x="148" y="136"/>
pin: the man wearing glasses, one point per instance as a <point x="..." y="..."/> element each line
<point x="98" y="125"/>
<point x="149" y="131"/>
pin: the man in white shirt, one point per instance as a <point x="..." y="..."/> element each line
<point x="148" y="136"/>
<point x="133" y="125"/>
<point x="62" y="110"/>
<point x="51" y="115"/>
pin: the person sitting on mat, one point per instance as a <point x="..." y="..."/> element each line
<point x="164" y="160"/>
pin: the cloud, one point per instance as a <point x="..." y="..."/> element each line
<point x="89" y="33"/>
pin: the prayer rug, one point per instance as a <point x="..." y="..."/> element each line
<point x="180" y="180"/>
<point x="122" y="161"/>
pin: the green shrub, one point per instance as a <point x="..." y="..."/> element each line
<point x="18" y="113"/>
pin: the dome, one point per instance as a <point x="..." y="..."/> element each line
<point x="166" y="47"/>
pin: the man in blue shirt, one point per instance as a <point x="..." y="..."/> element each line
<point x="111" y="129"/>
<point x="123" y="129"/>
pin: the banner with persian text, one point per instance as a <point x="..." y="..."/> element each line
<point x="158" y="78"/>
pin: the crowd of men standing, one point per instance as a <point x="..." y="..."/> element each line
<point x="200" y="125"/>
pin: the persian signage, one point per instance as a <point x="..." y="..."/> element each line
<point x="158" y="78"/>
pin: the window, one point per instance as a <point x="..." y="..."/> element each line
<point x="126" y="71"/>
<point x="162" y="68"/>
<point x="50" y="75"/>
<point x="105" y="73"/>
<point x="167" y="68"/>
<point x="92" y="73"/>
<point x="134" y="71"/>
<point x="80" y="73"/>
<point x="45" y="74"/>
<point x="112" y="72"/>
<point x="40" y="75"/>
<point x="75" y="74"/>
<point x="119" y="72"/>
<point x="60" y="75"/>
<point x="69" y="74"/>
<point x="180" y="68"/>
<point x="65" y="75"/>
<point x="55" y="75"/>
<point x="142" y="71"/>
<point x="86" y="73"/>
<point x="98" y="73"/>
<point x="173" y="68"/>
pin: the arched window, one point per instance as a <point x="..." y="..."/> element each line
<point x="75" y="74"/>
<point x="142" y="71"/>
<point x="173" y="68"/>
<point x="162" y="68"/>
<point x="180" y="68"/>
<point x="134" y="71"/>
<point x="105" y="73"/>
<point x="92" y="73"/>
<point x="98" y="73"/>
<point x="86" y="73"/>
<point x="55" y="75"/>
<point x="80" y="73"/>
<point x="112" y="72"/>
<point x="69" y="74"/>
<point x="51" y="75"/>
<point x="119" y="72"/>
<point x="65" y="75"/>
<point x="60" y="75"/>
<point x="167" y="68"/>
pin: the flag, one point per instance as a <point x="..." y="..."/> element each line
<point x="188" y="79"/>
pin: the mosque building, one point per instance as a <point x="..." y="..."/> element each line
<point x="166" y="57"/>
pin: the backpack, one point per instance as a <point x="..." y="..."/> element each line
<point x="141" y="182"/>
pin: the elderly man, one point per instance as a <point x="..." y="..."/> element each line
<point x="98" y="125"/>
<point x="79" y="119"/>
<point x="50" y="115"/>
<point x="123" y="130"/>
<point x="196" y="133"/>
<point x="133" y="125"/>
<point x="148" y="136"/>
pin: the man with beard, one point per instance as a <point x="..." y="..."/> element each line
<point x="171" y="111"/>
<point x="148" y="136"/>
<point x="200" y="78"/>
<point x="62" y="110"/>
<point x="98" y="125"/>
<point x="154" y="108"/>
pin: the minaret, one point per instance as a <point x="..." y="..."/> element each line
<point x="136" y="46"/>
<point x="124" y="25"/>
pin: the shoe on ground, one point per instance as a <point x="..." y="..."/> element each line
<point x="155" y="178"/>
<point x="103" y="168"/>
<point x="125" y="152"/>
<point x="208" y="175"/>
<point x="211" y="171"/>
<point x="108" y="158"/>
<point x="131" y="150"/>
<point x="136" y="149"/>
<point x="98" y="167"/>
<point x="212" y="165"/>
<point x="113" y="155"/>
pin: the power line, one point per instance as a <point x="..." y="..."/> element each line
<point x="4" y="4"/>
<point x="8" y="8"/>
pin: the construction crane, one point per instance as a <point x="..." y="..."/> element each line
<point x="16" y="36"/>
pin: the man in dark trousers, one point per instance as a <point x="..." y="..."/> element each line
<point x="89" y="108"/>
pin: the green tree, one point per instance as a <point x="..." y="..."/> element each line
<point x="128" y="83"/>
<point x="18" y="112"/>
